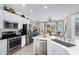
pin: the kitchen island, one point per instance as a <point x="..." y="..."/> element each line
<point x="50" y="47"/>
<point x="40" y="44"/>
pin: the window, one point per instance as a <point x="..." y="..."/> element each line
<point x="77" y="27"/>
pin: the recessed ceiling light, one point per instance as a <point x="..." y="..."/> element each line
<point x="45" y="7"/>
<point x="31" y="10"/>
<point x="24" y="5"/>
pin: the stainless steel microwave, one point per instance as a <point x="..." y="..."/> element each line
<point x="10" y="25"/>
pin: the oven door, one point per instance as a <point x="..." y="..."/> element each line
<point x="14" y="44"/>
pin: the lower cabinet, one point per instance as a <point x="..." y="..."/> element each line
<point x="3" y="47"/>
<point x="40" y="47"/>
<point x="23" y="40"/>
<point x="43" y="47"/>
<point x="53" y="49"/>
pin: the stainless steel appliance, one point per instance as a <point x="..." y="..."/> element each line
<point x="8" y="34"/>
<point x="14" y="44"/>
<point x="13" y="41"/>
<point x="10" y="25"/>
<point x="29" y="35"/>
<point x="26" y="30"/>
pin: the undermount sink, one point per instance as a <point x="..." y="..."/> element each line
<point x="63" y="43"/>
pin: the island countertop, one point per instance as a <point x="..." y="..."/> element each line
<point x="44" y="37"/>
<point x="71" y="50"/>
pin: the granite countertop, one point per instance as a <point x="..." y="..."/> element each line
<point x="9" y="37"/>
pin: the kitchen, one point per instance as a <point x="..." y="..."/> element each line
<point x="54" y="31"/>
<point x="13" y="31"/>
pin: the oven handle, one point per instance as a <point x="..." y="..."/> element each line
<point x="14" y="38"/>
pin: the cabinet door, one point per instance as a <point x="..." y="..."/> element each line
<point x="37" y="47"/>
<point x="20" y="25"/>
<point x="3" y="47"/>
<point x="20" y="20"/>
<point x="23" y="41"/>
<point x="10" y="17"/>
<point x="1" y="19"/>
<point x="43" y="47"/>
<point x="1" y="23"/>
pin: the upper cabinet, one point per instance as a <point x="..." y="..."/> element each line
<point x="12" y="18"/>
<point x="1" y="19"/>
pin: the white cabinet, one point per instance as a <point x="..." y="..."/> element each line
<point x="40" y="47"/>
<point x="20" y="22"/>
<point x="1" y="19"/>
<point x="36" y="47"/>
<point x="20" y="25"/>
<point x="23" y="40"/>
<point x="53" y="49"/>
<point x="1" y="24"/>
<point x="7" y="16"/>
<point x="43" y="47"/>
<point x="3" y="47"/>
<point x="10" y="17"/>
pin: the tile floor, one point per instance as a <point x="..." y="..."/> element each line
<point x="27" y="50"/>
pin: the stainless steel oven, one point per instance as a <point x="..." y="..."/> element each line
<point x="14" y="44"/>
<point x="13" y="41"/>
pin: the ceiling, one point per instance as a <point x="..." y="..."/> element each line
<point x="38" y="13"/>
